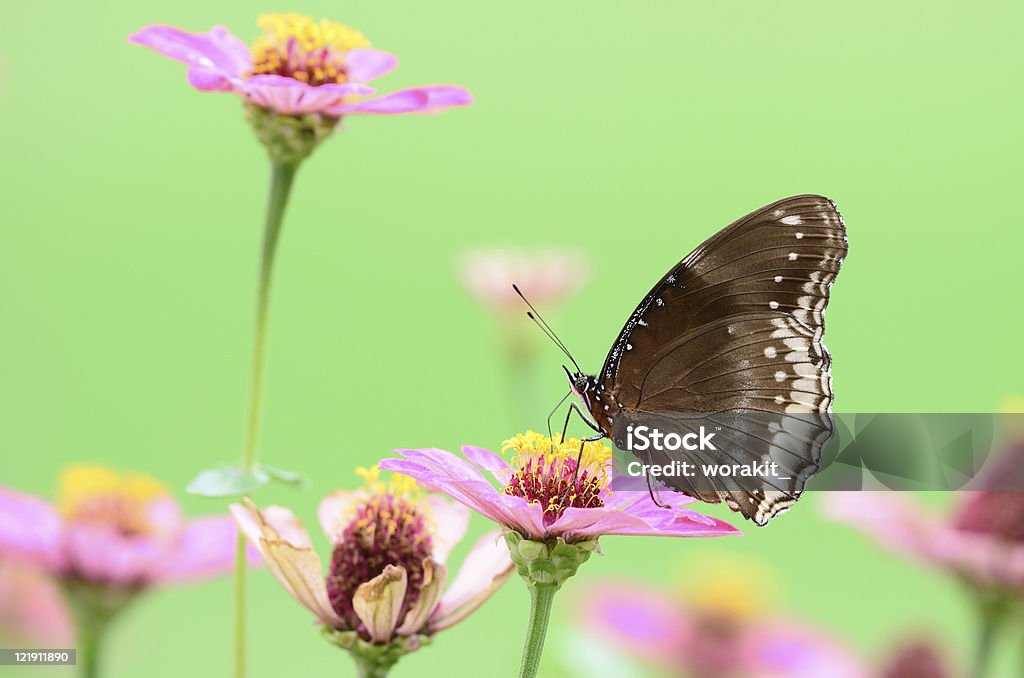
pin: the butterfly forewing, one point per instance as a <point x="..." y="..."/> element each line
<point x="736" y="328"/>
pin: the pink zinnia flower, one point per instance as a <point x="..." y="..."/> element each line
<point x="717" y="637"/>
<point x="387" y="575"/>
<point x="982" y="541"/>
<point x="542" y="497"/>
<point x="122" y="531"/>
<point x="547" y="277"/>
<point x="298" y="66"/>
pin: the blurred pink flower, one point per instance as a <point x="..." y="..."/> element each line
<point x="542" y="495"/>
<point x="982" y="541"/>
<point x="710" y="643"/>
<point x="113" y="529"/>
<point x="31" y="607"/>
<point x="546" y="277"/>
<point x="387" y="575"/>
<point x="298" y="66"/>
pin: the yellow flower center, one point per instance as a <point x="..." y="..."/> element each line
<point x="727" y="588"/>
<point x="296" y="46"/>
<point x="101" y="496"/>
<point x="554" y="473"/>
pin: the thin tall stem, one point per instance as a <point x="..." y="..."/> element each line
<point x="280" y="187"/>
<point x="541" y="598"/>
<point x="281" y="178"/>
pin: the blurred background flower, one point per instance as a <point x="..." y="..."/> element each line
<point x="718" y="627"/>
<point x="109" y="537"/>
<point x="916" y="658"/>
<point x="980" y="542"/>
<point x="549" y="278"/>
<point x="384" y="594"/>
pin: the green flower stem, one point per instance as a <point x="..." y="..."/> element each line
<point x="541" y="598"/>
<point x="544" y="566"/>
<point x="281" y="178"/>
<point x="371" y="668"/>
<point x="92" y="607"/>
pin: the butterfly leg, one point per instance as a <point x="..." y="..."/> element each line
<point x="654" y="498"/>
<point x="550" y="434"/>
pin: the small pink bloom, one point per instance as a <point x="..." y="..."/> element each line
<point x="388" y="574"/>
<point x="546" y="277"/>
<point x="31" y="607"/>
<point x="982" y="541"/>
<point x="543" y="497"/>
<point x="298" y="66"/>
<point x="701" y="641"/>
<point x="113" y="529"/>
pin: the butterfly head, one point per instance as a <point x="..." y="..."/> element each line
<point x="582" y="385"/>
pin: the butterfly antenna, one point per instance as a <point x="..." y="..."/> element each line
<point x="536" y="317"/>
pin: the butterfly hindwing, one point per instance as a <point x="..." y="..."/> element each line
<point x="734" y="334"/>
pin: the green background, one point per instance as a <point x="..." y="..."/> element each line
<point x="129" y="227"/>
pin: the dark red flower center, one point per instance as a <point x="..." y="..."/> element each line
<point x="385" y="530"/>
<point x="552" y="481"/>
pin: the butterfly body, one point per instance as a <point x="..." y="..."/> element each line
<point x="732" y="337"/>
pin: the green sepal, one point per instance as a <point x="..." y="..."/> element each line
<point x="548" y="563"/>
<point x="289" y="139"/>
<point x="374" y="660"/>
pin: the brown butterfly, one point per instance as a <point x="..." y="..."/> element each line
<point x="732" y="339"/>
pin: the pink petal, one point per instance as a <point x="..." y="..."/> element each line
<point x="427" y="99"/>
<point x="443" y="462"/>
<point x="583" y="522"/>
<point x="288" y="95"/>
<point x="209" y="80"/>
<point x="892" y="520"/>
<point x="30" y="530"/>
<point x="334" y="509"/>
<point x="364" y="65"/>
<point x="479" y="499"/>
<point x="488" y="461"/>
<point x="643" y="622"/>
<point x="486" y="567"/>
<point x="784" y="649"/>
<point x="99" y="553"/>
<point x="449" y="521"/>
<point x="206" y="548"/>
<point x="215" y="50"/>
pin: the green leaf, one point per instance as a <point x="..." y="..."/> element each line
<point x="289" y="477"/>
<point x="227" y="481"/>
